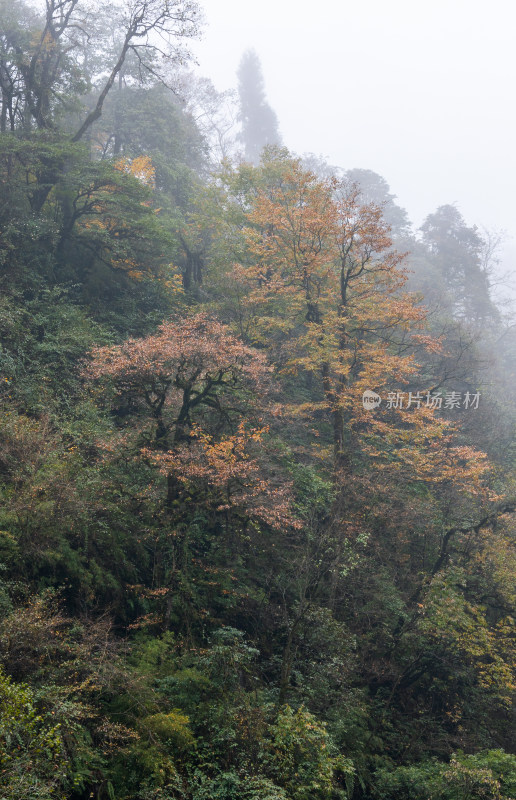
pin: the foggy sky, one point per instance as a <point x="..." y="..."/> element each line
<point x="420" y="91"/>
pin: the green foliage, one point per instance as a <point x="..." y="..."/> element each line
<point x="228" y="658"/>
<point x="487" y="649"/>
<point x="189" y="687"/>
<point x="232" y="786"/>
<point x="156" y="641"/>
<point x="301" y="758"/>
<point x="488" y="775"/>
<point x="33" y="758"/>
<point x="171" y="728"/>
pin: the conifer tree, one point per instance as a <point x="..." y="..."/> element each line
<point x="259" y="121"/>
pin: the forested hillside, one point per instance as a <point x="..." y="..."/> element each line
<point x="257" y="520"/>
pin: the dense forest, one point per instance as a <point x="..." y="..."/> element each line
<point x="257" y="520"/>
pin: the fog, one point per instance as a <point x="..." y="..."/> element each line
<point x="420" y="92"/>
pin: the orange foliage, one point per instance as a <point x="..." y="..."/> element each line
<point x="140" y="167"/>
<point x="198" y="382"/>
<point x="325" y="289"/>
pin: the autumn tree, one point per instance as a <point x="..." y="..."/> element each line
<point x="196" y="384"/>
<point x="326" y="289"/>
<point x="325" y="292"/>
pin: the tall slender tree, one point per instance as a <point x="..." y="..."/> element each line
<point x="259" y="121"/>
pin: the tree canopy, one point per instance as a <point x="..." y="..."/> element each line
<point x="256" y="447"/>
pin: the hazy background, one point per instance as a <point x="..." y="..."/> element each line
<point x="420" y="91"/>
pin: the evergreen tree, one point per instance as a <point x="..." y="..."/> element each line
<point x="375" y="189"/>
<point x="457" y="251"/>
<point x="259" y="121"/>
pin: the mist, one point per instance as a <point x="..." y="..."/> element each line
<point x="418" y="92"/>
<point x="257" y="359"/>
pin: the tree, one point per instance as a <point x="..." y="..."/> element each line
<point x="209" y="486"/>
<point x="325" y="288"/>
<point x="196" y="384"/>
<point x="324" y="292"/>
<point x="458" y="252"/>
<point x="259" y="122"/>
<point x="375" y="189"/>
<point x="45" y="58"/>
<point x="192" y="378"/>
<point x="215" y="115"/>
<point x="32" y="751"/>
